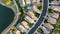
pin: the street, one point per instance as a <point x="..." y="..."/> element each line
<point x="45" y="5"/>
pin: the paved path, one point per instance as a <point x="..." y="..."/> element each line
<point x="41" y="18"/>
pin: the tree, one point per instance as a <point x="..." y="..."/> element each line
<point x="40" y="30"/>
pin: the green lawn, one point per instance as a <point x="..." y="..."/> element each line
<point x="30" y="25"/>
<point x="24" y="33"/>
<point x="40" y="8"/>
<point x="37" y="15"/>
<point x="50" y="10"/>
<point x="10" y="2"/>
<point x="40" y="30"/>
<point x="45" y="21"/>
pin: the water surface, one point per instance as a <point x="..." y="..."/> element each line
<point x="6" y="17"/>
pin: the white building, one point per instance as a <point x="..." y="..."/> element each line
<point x="22" y="3"/>
<point x="21" y="28"/>
<point x="25" y="24"/>
<point x="28" y="19"/>
<point x="56" y="9"/>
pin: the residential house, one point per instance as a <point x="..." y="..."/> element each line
<point x="17" y="32"/>
<point x="35" y="9"/>
<point x="49" y="26"/>
<point x="25" y="24"/>
<point x="31" y="14"/>
<point x="45" y="30"/>
<point x="22" y="3"/>
<point x="21" y="28"/>
<point x="55" y="2"/>
<point x="57" y="9"/>
<point x="55" y="15"/>
<point x="28" y="19"/>
<point x="51" y="20"/>
<point x="28" y="1"/>
<point x="36" y="2"/>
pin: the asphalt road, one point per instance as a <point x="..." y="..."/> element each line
<point x="45" y="5"/>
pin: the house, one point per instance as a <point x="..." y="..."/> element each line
<point x="17" y="32"/>
<point x="45" y="30"/>
<point x="21" y="28"/>
<point x="28" y="19"/>
<point x="55" y="2"/>
<point x="28" y="1"/>
<point x="22" y="3"/>
<point x="31" y="14"/>
<point x="36" y="2"/>
<point x="35" y="9"/>
<point x="14" y="32"/>
<point x="51" y="20"/>
<point x="49" y="26"/>
<point x="57" y="9"/>
<point x="55" y="15"/>
<point x="25" y="24"/>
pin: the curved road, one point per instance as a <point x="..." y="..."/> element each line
<point x="45" y="5"/>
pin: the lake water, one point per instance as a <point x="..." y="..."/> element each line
<point x="6" y="17"/>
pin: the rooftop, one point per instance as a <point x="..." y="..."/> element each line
<point x="25" y="24"/>
<point x="49" y="26"/>
<point x="52" y="20"/>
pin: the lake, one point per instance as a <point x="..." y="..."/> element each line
<point x="6" y="17"/>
